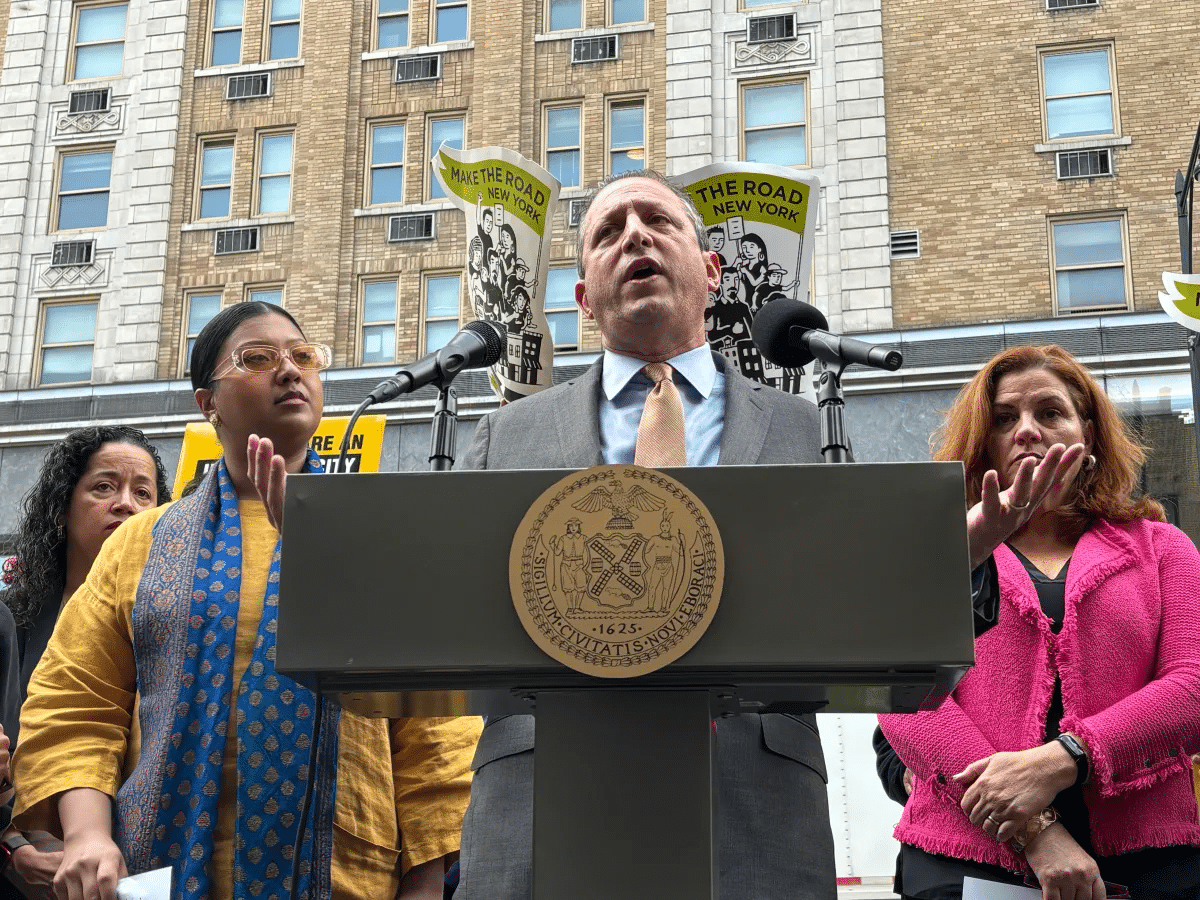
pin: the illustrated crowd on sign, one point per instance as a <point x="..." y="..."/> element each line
<point x="501" y="286"/>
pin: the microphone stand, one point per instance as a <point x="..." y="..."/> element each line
<point x="444" y="430"/>
<point x="835" y="446"/>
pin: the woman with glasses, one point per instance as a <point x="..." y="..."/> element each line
<point x="157" y="706"/>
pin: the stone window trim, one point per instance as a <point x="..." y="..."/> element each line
<point x="571" y="34"/>
<point x="612" y="103"/>
<point x="248" y="68"/>
<point x="749" y="84"/>
<point x="395" y="209"/>
<point x="1084" y="143"/>
<point x="372" y="165"/>
<point x="366" y="324"/>
<point x="1066" y="49"/>
<point x="43" y="345"/>
<point x="218" y="224"/>
<point x="426" y="319"/>
<point x="1118" y="215"/>
<point x="424" y="50"/>
<point x="75" y="43"/>
<point x="744" y="6"/>
<point x="59" y="192"/>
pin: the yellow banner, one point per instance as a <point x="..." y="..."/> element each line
<point x="498" y="181"/>
<point x="201" y="449"/>
<point x="755" y="196"/>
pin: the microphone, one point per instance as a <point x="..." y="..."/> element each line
<point x="792" y="334"/>
<point x="479" y="345"/>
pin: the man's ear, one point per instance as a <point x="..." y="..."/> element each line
<point x="712" y="268"/>
<point x="582" y="300"/>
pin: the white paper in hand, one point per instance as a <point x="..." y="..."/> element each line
<point x="978" y="889"/>
<point x="152" y="885"/>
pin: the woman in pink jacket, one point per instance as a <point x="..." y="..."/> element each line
<point x="1064" y="753"/>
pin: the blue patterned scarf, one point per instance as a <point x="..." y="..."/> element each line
<point x="184" y="624"/>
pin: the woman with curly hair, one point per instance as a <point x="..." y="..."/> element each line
<point x="1064" y="753"/>
<point x="90" y="482"/>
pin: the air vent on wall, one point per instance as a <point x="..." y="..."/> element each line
<point x="419" y="68"/>
<point x="411" y="227"/>
<point x="1070" y="4"/>
<point x="764" y="29"/>
<point x="73" y="253"/>
<point x="96" y="100"/>
<point x="575" y="212"/>
<point x="1084" y="163"/>
<point x="906" y="244"/>
<point x="247" y="87"/>
<point x="236" y="240"/>
<point x="594" y="49"/>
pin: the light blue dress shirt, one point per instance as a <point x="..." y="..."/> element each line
<point x="625" y="387"/>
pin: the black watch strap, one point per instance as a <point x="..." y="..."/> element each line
<point x="1078" y="754"/>
<point x="9" y="846"/>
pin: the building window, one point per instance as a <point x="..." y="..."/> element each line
<point x="450" y="133"/>
<point x="625" y="11"/>
<point x="386" y="165"/>
<point x="755" y="4"/>
<point x="392" y="24"/>
<point x="83" y="181"/>
<point x="450" y="20"/>
<point x="564" y="14"/>
<point x="274" y="173"/>
<point x="773" y="123"/>
<point x="626" y="136"/>
<point x="227" y="32"/>
<point x="441" y="310"/>
<point x="201" y="307"/>
<point x="283" y="40"/>
<point x="563" y="143"/>
<point x="1079" y="93"/>
<point x="98" y="48"/>
<point x="1090" y="264"/>
<point x="562" y="312"/>
<point x="265" y="294"/>
<point x="216" y="178"/>
<point x="379" y="321"/>
<point x="68" y="338"/>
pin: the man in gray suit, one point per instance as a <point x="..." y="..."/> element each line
<point x="646" y="273"/>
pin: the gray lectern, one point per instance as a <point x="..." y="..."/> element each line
<point x="846" y="588"/>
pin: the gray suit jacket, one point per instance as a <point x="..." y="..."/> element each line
<point x="774" y="839"/>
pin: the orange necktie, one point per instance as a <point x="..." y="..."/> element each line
<point x="661" y="438"/>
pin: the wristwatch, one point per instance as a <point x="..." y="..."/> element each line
<point x="1078" y="754"/>
<point x="1033" y="828"/>
<point x="9" y="846"/>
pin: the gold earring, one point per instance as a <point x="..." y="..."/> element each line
<point x="214" y="419"/>
<point x="1089" y="461"/>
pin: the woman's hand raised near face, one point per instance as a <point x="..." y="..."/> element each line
<point x="268" y="472"/>
<point x="999" y="514"/>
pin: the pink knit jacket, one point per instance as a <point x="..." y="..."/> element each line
<point x="1128" y="655"/>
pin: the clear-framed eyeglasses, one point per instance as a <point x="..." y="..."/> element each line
<point x="265" y="358"/>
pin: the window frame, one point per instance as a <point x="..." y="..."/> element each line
<point x="1110" y="49"/>
<point x="611" y="19"/>
<point x="214" y="30"/>
<point x="370" y="164"/>
<point x="569" y="266"/>
<point x="250" y="290"/>
<point x="439" y="5"/>
<point x="205" y="143"/>
<point x="1121" y="217"/>
<point x="547" y="108"/>
<point x="364" y="323"/>
<point x="546" y="13"/>
<point x="426" y="277"/>
<point x="379" y="16"/>
<point x="73" y="48"/>
<point x="269" y="26"/>
<point x="42" y="346"/>
<point x="188" y="337"/>
<point x="430" y="119"/>
<point x="624" y="100"/>
<point x="752" y="83"/>
<point x="56" y="210"/>
<point x="259" y="176"/>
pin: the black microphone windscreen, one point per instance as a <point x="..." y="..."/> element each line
<point x="772" y="327"/>
<point x="493" y="338"/>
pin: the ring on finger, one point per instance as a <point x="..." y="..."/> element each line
<point x="993" y="820"/>
<point x="1016" y="508"/>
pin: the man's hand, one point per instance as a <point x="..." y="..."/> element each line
<point x="268" y="472"/>
<point x="38" y="861"/>
<point x="1063" y="868"/>
<point x="1005" y="790"/>
<point x="999" y="514"/>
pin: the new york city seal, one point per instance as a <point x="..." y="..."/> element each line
<point x="616" y="570"/>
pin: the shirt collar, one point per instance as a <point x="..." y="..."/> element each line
<point x="695" y="365"/>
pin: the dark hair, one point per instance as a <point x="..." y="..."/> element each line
<point x="41" y="541"/>
<point x="1104" y="490"/>
<point x="689" y="207"/>
<point x="206" y="354"/>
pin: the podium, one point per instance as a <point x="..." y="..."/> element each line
<point x="847" y="588"/>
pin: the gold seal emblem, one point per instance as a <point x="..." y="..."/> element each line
<point x="616" y="570"/>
